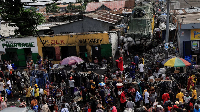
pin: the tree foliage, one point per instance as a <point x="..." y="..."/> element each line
<point x="71" y="7"/>
<point x="26" y="20"/>
<point x="52" y="8"/>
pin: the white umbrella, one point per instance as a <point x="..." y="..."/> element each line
<point x="119" y="84"/>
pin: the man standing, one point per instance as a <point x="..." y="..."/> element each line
<point x="122" y="100"/>
<point x="36" y="91"/>
<point x="64" y="109"/>
<point x="130" y="104"/>
<point x="2" y="87"/>
<point x="180" y="96"/>
<point x="71" y="85"/>
<point x="136" y="61"/>
<point x="194" y="94"/>
<point x="141" y="68"/>
<point x="146" y="94"/>
<point x="28" y="94"/>
<point x="137" y="98"/>
<point x="165" y="97"/>
<point x="63" y="86"/>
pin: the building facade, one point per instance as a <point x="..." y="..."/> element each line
<point x="86" y="46"/>
<point x="19" y="50"/>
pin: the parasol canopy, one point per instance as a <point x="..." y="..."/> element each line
<point x="71" y="60"/>
<point x="101" y="84"/>
<point x="176" y="62"/>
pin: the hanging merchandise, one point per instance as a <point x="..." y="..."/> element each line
<point x="195" y="45"/>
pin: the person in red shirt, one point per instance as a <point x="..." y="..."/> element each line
<point x="165" y="97"/>
<point x="122" y="101"/>
<point x="189" y="82"/>
<point x="120" y="63"/>
<point x="131" y="91"/>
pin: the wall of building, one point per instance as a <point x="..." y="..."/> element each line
<point x="85" y="25"/>
<point x="28" y="42"/>
<point x="114" y="42"/>
<point x="87" y="40"/>
<point x="185" y="34"/>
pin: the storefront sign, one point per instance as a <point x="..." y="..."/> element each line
<point x="91" y="41"/>
<point x="8" y="44"/>
<point x="19" y="43"/>
<point x="53" y="42"/>
<point x="195" y="34"/>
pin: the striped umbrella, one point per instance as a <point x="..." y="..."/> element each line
<point x="177" y="62"/>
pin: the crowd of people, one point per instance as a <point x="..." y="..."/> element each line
<point x="127" y="89"/>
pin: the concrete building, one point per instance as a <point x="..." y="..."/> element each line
<point x="188" y="34"/>
<point x="87" y="46"/>
<point x="6" y="30"/>
<point x="99" y="21"/>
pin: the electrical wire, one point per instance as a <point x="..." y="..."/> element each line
<point x="188" y="3"/>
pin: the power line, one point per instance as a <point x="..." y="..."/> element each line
<point x="188" y="3"/>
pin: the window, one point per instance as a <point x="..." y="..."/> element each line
<point x="49" y="52"/>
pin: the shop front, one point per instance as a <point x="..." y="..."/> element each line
<point x="86" y="46"/>
<point x="19" y="50"/>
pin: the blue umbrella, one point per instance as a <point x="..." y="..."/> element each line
<point x="101" y="84"/>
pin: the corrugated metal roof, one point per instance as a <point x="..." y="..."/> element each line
<point x="113" y="5"/>
<point x="105" y="16"/>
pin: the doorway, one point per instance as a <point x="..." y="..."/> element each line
<point x="96" y="52"/>
<point x="83" y="52"/>
<point x="67" y="51"/>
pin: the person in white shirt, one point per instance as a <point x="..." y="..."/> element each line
<point x="187" y="98"/>
<point x="146" y="94"/>
<point x="71" y="85"/>
<point x="64" y="109"/>
<point x="1" y="86"/>
<point x="9" y="66"/>
<point x="9" y="83"/>
<point x="141" y="69"/>
<point x="130" y="104"/>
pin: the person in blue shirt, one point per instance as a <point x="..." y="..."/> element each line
<point x="132" y="70"/>
<point x="196" y="109"/>
<point x="137" y="98"/>
<point x="136" y="60"/>
<point x="109" y="99"/>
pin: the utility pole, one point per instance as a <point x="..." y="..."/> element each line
<point x="167" y="29"/>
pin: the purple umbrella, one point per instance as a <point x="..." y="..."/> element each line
<point x="71" y="60"/>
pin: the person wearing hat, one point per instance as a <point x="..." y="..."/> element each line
<point x="132" y="70"/>
<point x="36" y="91"/>
<point x="71" y="86"/>
<point x="180" y="96"/>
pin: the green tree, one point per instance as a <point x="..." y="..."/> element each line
<point x="33" y="9"/>
<point x="52" y="8"/>
<point x="26" y="20"/>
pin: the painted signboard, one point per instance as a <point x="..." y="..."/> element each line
<point x="65" y="40"/>
<point x="28" y="42"/>
<point x="195" y="34"/>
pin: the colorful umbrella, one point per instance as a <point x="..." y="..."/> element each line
<point x="102" y="84"/>
<point x="71" y="60"/>
<point x="177" y="62"/>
